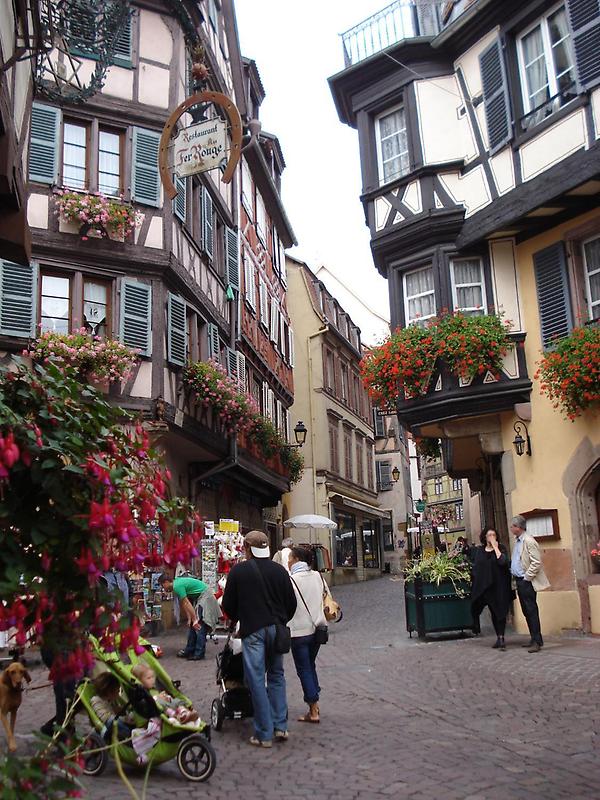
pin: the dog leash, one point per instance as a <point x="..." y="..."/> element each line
<point x="34" y="688"/>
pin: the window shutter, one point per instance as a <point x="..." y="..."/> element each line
<point x="214" y="344"/>
<point x="495" y="95"/>
<point x="232" y="364"/>
<point x="232" y="258"/>
<point x="271" y="404"/>
<point x="264" y="302"/>
<point x="180" y="201"/>
<point x="552" y="284"/>
<point x="145" y="180"/>
<point x="378" y="423"/>
<point x="18" y="299"/>
<point x="291" y="350"/>
<point x="207" y="222"/>
<point x="265" y="399"/>
<point x="136" y="316"/>
<point x="282" y="334"/>
<point x="43" y="146"/>
<point x="122" y="49"/>
<point x="585" y="24"/>
<point x="177" y="330"/>
<point x="282" y="264"/>
<point x="274" y="320"/>
<point x="241" y="371"/>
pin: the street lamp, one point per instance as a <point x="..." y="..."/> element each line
<point x="300" y="432"/>
<point x="395" y="474"/>
<point x="522" y="445"/>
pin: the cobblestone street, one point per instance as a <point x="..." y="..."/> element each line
<point x="400" y="718"/>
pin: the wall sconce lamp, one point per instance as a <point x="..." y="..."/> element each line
<point x="395" y="474"/>
<point x="522" y="445"/>
<point x="300" y="432"/>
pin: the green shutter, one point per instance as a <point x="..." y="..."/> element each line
<point x="214" y="344"/>
<point x="145" y="180"/>
<point x="207" y="222"/>
<point x="43" y="145"/>
<point x="232" y="258"/>
<point x="136" y="316"/>
<point x="180" y="201"/>
<point x="18" y="299"/>
<point x="554" y="301"/>
<point x="122" y="49"/>
<point x="177" y="330"/>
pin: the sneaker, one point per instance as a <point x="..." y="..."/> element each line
<point x="261" y="742"/>
<point x="281" y="736"/>
<point x="535" y="648"/>
<point x="182" y="654"/>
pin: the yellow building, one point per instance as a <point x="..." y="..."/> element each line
<point x="479" y="130"/>
<point x="339" y="474"/>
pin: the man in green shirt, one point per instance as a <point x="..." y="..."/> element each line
<point x="188" y="590"/>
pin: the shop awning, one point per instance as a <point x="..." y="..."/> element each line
<point x="366" y="508"/>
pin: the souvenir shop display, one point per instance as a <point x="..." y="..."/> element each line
<point x="147" y="596"/>
<point x="222" y="547"/>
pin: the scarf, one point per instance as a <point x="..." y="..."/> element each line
<point x="299" y="566"/>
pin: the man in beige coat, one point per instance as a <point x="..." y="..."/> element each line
<point x="528" y="572"/>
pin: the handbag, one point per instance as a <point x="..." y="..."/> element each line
<point x="321" y="631"/>
<point x="283" y="635"/>
<point x="332" y="609"/>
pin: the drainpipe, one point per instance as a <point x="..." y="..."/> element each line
<point x="324" y="329"/>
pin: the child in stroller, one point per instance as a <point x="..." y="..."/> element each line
<point x="234" y="700"/>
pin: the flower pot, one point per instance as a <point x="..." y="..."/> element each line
<point x="433" y="608"/>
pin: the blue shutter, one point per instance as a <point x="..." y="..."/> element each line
<point x="554" y="301"/>
<point x="145" y="180"/>
<point x="214" y="344"/>
<point x="176" y="330"/>
<point x="43" y="145"/>
<point x="180" y="201"/>
<point x="207" y="222"/>
<point x="232" y="258"/>
<point x="18" y="299"/>
<point x="495" y="96"/>
<point x="136" y="316"/>
<point x="585" y="23"/>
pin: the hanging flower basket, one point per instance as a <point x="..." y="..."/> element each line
<point x="570" y="374"/>
<point x="96" y="214"/>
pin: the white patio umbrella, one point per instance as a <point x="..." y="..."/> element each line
<point x="310" y="521"/>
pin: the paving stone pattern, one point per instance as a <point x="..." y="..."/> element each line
<point x="442" y="720"/>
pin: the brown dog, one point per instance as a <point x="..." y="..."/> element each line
<point x="11" y="695"/>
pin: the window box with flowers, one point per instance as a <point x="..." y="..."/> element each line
<point x="94" y="215"/>
<point x="570" y="373"/>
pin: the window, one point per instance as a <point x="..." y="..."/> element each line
<point x="344" y="372"/>
<point x="74" y="162"/>
<point x="334" y="457"/>
<point x="392" y="145"/>
<point x="370" y="544"/>
<point x="356" y="394"/>
<point x="247" y="189"/>
<point x="369" y="466"/>
<point x="96" y="307"/>
<point x="468" y="291"/>
<point x="438" y="486"/>
<point x="348" y="471"/>
<point x="213" y="14"/>
<point x="360" y="468"/>
<point x="263" y="298"/>
<point x="250" y="281"/>
<point x="591" y="258"/>
<point x="109" y="163"/>
<point x="261" y="218"/>
<point x="459" y="511"/>
<point x="547" y="65"/>
<point x="345" y="540"/>
<point x="457" y="485"/>
<point x="378" y="424"/>
<point x="384" y="476"/>
<point x="419" y="296"/>
<point x="329" y="370"/>
<point x="55" y="301"/>
<point x="387" y="535"/>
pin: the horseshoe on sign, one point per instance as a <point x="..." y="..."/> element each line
<point x="233" y="115"/>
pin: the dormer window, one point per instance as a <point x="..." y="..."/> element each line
<point x="392" y="145"/>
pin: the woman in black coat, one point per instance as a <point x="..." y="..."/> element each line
<point x="491" y="584"/>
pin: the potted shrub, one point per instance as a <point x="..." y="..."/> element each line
<point x="437" y="595"/>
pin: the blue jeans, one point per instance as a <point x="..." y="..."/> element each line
<point x="196" y="642"/>
<point x="270" y="701"/>
<point x="304" y="652"/>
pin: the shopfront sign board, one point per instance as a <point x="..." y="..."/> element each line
<point x="199" y="148"/>
<point x="229" y="526"/>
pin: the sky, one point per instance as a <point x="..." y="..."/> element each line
<point x="296" y="47"/>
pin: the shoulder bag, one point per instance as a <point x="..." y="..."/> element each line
<point x="332" y="610"/>
<point x="283" y="635"/>
<point x="321" y="631"/>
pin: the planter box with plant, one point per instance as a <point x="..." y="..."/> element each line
<point x="96" y="214"/>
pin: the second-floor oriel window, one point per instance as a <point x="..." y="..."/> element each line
<point x="468" y="294"/>
<point x="75" y="161"/>
<point x="392" y="145"/>
<point x="419" y="295"/>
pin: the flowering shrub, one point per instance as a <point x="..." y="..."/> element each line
<point x="293" y="460"/>
<point x="49" y="776"/>
<point x="570" y="374"/>
<point x="94" y="358"/>
<point x="428" y="448"/>
<point x="95" y="212"/>
<point x="402" y="366"/>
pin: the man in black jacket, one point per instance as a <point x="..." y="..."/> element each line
<point x="258" y="594"/>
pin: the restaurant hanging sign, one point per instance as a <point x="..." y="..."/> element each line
<point x="199" y="148"/>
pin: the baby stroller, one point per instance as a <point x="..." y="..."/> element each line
<point x="188" y="743"/>
<point x="234" y="700"/>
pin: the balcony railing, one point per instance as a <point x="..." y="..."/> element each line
<point x="402" y="19"/>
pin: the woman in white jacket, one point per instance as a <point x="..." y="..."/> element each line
<point x="308" y="586"/>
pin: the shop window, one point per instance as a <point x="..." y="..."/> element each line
<point x="419" y="296"/>
<point x="468" y="289"/>
<point x="55" y="303"/>
<point x="591" y="258"/>
<point x="110" y="152"/>
<point x="387" y="534"/>
<point x="96" y="307"/>
<point x="75" y="155"/>
<point x="546" y="65"/>
<point x="345" y="540"/>
<point x="392" y="145"/>
<point x="370" y="544"/>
